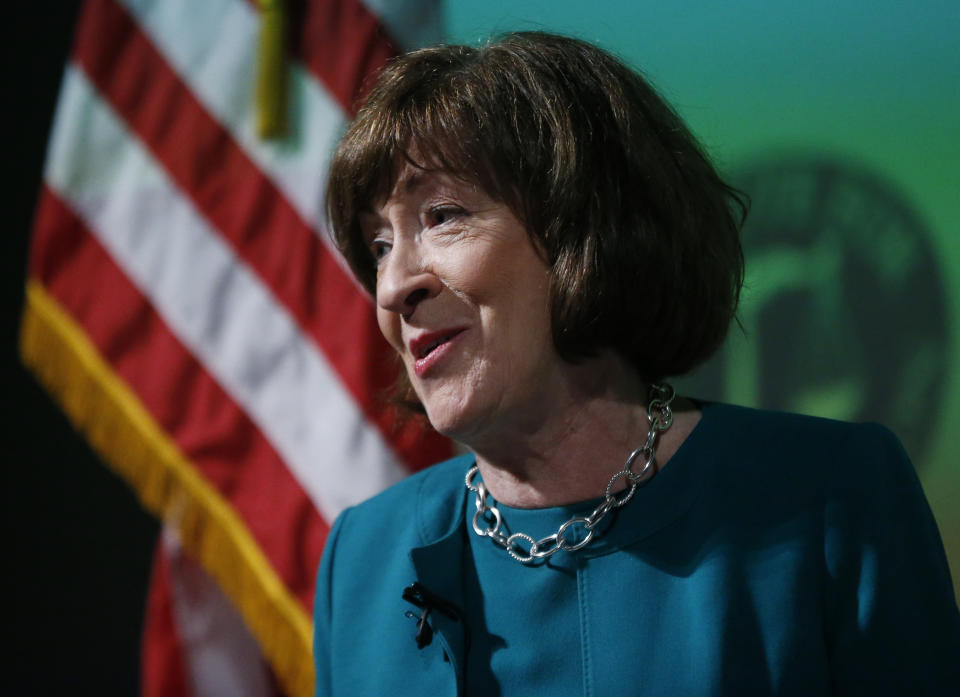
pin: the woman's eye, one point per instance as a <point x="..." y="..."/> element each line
<point x="379" y="249"/>
<point x="443" y="214"/>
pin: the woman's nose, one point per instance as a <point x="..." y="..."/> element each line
<point x="404" y="281"/>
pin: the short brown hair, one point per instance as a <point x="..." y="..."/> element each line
<point x="640" y="233"/>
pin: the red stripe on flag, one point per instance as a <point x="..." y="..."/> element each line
<point x="248" y="211"/>
<point x="210" y="429"/>
<point x="343" y="66"/>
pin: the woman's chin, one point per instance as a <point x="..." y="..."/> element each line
<point x="448" y="425"/>
<point x="456" y="422"/>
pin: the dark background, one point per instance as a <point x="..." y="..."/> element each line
<point x="76" y="580"/>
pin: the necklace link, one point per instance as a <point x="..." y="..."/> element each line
<point x="660" y="418"/>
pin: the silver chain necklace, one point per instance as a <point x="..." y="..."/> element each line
<point x="660" y="417"/>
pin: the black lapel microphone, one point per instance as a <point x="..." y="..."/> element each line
<point x="417" y="594"/>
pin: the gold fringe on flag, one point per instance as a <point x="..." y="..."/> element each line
<point x="271" y="88"/>
<point x="103" y="408"/>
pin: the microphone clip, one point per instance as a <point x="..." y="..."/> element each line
<point x="417" y="594"/>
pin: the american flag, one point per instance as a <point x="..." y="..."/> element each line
<point x="187" y="310"/>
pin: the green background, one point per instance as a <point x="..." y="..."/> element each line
<point x="867" y="90"/>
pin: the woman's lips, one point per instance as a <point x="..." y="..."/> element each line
<point x="430" y="348"/>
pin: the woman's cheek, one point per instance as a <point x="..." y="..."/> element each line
<point x="389" y="323"/>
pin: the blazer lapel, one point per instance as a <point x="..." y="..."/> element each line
<point x="439" y="562"/>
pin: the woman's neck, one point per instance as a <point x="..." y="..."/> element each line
<point x="570" y="452"/>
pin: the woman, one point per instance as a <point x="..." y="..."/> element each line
<point x="547" y="243"/>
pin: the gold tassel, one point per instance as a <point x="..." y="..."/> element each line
<point x="102" y="407"/>
<point x="271" y="88"/>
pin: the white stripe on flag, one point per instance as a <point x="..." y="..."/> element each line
<point x="214" y="55"/>
<point x="220" y="655"/>
<point x="214" y="303"/>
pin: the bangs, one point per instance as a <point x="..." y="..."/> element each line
<point x="434" y="137"/>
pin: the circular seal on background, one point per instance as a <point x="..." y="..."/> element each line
<point x="843" y="311"/>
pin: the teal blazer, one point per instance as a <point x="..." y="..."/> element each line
<point x="774" y="555"/>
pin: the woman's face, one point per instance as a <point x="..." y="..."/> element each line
<point x="463" y="297"/>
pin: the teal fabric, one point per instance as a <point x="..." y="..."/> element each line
<point x="773" y="555"/>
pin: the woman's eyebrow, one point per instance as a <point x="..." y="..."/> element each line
<point x="412" y="180"/>
<point x="370" y="222"/>
<point x="409" y="184"/>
